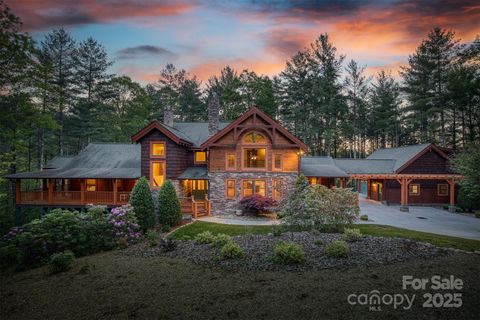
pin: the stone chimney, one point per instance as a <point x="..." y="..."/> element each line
<point x="213" y="114"/>
<point x="168" y="116"/>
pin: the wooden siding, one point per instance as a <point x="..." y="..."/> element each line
<point x="178" y="157"/>
<point x="428" y="192"/>
<point x="430" y="162"/>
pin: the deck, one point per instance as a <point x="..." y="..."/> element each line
<point x="72" y="198"/>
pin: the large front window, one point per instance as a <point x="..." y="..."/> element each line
<point x="254" y="157"/>
<point x="158" y="173"/>
<point x="254" y="187"/>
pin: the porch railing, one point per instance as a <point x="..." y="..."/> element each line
<point x="73" y="197"/>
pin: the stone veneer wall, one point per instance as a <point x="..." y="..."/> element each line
<point x="223" y="205"/>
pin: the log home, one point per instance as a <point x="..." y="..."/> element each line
<point x="213" y="165"/>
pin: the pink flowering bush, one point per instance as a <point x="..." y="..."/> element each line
<point x="124" y="224"/>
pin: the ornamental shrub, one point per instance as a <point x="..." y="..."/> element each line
<point x="60" y="262"/>
<point x="124" y="224"/>
<point x="317" y="206"/>
<point x="231" y="250"/>
<point x="221" y="239"/>
<point x="352" y="235"/>
<point x="204" y="237"/>
<point x="169" y="210"/>
<point x="152" y="238"/>
<point x="364" y="217"/>
<point x="58" y="231"/>
<point x="288" y="253"/>
<point x="257" y="203"/>
<point x="142" y="203"/>
<point x="337" y="249"/>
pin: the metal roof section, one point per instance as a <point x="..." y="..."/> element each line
<point x="58" y="162"/>
<point x="321" y="167"/>
<point x="97" y="160"/>
<point x="401" y="155"/>
<point x="355" y="166"/>
<point x="194" y="173"/>
<point x="195" y="132"/>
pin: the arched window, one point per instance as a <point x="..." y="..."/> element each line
<point x="254" y="137"/>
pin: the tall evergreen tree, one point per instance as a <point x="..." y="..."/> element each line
<point x="384" y="117"/>
<point x="60" y="50"/>
<point x="356" y="90"/>
<point x="228" y="87"/>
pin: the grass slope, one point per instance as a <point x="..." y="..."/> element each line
<point x="116" y="286"/>
<point x="191" y="230"/>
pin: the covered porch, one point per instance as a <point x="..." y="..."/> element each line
<point x="73" y="192"/>
<point x="379" y="188"/>
<point x="194" y="192"/>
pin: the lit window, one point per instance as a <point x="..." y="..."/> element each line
<point x="231" y="189"/>
<point x="200" y="185"/>
<point x="254" y="137"/>
<point x="91" y="185"/>
<point x="158" y="174"/>
<point x="253" y="187"/>
<point x="158" y="149"/>
<point x="254" y="158"/>
<point x="442" y="189"/>
<point x="414" y="189"/>
<point x="277" y="188"/>
<point x="277" y="161"/>
<point x="200" y="156"/>
<point x="231" y="161"/>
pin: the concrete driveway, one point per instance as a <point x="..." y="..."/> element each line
<point x="426" y="219"/>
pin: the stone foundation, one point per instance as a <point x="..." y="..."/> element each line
<point x="217" y="188"/>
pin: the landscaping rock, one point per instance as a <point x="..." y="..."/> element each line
<point x="259" y="249"/>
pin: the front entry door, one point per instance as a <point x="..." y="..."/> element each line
<point x="199" y="189"/>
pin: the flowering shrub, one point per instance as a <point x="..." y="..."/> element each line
<point x="58" y="231"/>
<point x="318" y="207"/>
<point x="258" y="203"/>
<point x="124" y="224"/>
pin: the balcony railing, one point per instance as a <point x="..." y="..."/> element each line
<point x="73" y="197"/>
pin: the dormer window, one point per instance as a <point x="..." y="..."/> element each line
<point x="200" y="157"/>
<point x="254" y="137"/>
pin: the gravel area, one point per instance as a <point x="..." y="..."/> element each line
<point x="259" y="248"/>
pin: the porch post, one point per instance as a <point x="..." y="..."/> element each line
<point x="368" y="188"/>
<point x="82" y="191"/>
<point x="114" y="191"/>
<point x="51" y="185"/>
<point x="358" y="185"/>
<point x="451" y="207"/>
<point x="18" y="189"/>
<point x="403" y="195"/>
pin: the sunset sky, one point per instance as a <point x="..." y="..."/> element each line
<point x="204" y="36"/>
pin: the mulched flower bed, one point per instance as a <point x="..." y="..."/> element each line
<point x="259" y="248"/>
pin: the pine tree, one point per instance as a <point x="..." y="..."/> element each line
<point x="356" y="87"/>
<point x="228" y="87"/>
<point x="258" y="91"/>
<point x="384" y="117"/>
<point x="60" y="49"/>
<point x="142" y="203"/>
<point x="169" y="210"/>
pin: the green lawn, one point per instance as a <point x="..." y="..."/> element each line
<point x="191" y="230"/>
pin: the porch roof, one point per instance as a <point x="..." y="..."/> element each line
<point x="97" y="160"/>
<point x="194" y="173"/>
<point x="321" y="167"/>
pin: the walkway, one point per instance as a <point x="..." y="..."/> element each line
<point x="426" y="219"/>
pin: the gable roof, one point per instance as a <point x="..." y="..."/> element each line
<point x="321" y="167"/>
<point x="188" y="133"/>
<point x="97" y="160"/>
<point x="405" y="155"/>
<point x="254" y="111"/>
